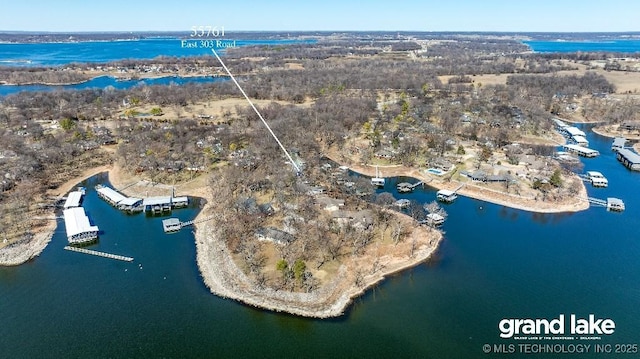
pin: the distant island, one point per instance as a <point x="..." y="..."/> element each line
<point x="465" y="112"/>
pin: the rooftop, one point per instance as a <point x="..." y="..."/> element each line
<point x="629" y="155"/>
<point x="77" y="222"/>
<point x="73" y="199"/>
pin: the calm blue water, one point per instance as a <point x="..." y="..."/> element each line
<point x="494" y="263"/>
<point x="56" y="54"/>
<point x="626" y="46"/>
<point x="107" y="81"/>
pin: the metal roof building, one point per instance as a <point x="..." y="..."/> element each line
<point x="110" y="195"/>
<point x="79" y="230"/>
<point x="73" y="199"/>
<point x="574" y="131"/>
<point x="629" y="158"/>
<point x="618" y="143"/>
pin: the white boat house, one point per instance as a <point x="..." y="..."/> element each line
<point x="582" y="151"/>
<point x="79" y="230"/>
<point x="446" y="196"/>
<point x="630" y="159"/>
<point x="73" y="199"/>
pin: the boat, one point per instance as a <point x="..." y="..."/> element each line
<point x="402" y="203"/>
<point x="446" y="196"/>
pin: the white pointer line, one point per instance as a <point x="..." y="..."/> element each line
<point x="258" y="113"/>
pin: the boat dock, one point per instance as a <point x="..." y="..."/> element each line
<point x="174" y="224"/>
<point x="611" y="203"/>
<point x="405" y="187"/>
<point x="99" y="254"/>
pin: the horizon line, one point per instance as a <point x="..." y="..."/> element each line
<point x="43" y="32"/>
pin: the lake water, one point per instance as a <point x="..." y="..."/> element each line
<point x="108" y="81"/>
<point x="64" y="53"/>
<point x="494" y="263"/>
<point x="624" y="46"/>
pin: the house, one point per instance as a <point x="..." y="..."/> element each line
<point x="329" y="204"/>
<point x="274" y="235"/>
<point x="361" y="220"/>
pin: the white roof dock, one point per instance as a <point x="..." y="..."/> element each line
<point x="618" y="143"/>
<point x="182" y="199"/>
<point x="77" y="225"/>
<point x="629" y="159"/>
<point x="560" y="123"/>
<point x="111" y="195"/>
<point x="574" y="131"/>
<point x="582" y="151"/>
<point x="171" y="224"/>
<point x="445" y="192"/>
<point x="130" y="201"/>
<point x="73" y="199"/>
<point x="580" y="140"/>
<point x="156" y="201"/>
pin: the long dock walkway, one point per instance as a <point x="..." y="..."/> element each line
<point x="99" y="254"/>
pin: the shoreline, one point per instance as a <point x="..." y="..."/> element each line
<point x="22" y="252"/>
<point x="113" y="76"/>
<point x="610" y="134"/>
<point x="225" y="279"/>
<point x="479" y="193"/>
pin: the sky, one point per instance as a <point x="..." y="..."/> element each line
<point x="326" y="15"/>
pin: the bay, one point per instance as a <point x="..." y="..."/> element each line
<point x="64" y="53"/>
<point x="622" y="46"/>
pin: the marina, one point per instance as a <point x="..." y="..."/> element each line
<point x="154" y="205"/>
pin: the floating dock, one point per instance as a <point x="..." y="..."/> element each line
<point x="79" y="229"/>
<point x="99" y="254"/>
<point x="174" y="224"/>
<point x="406" y="187"/>
<point x="611" y="203"/>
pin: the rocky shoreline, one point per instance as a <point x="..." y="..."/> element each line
<point x="25" y="250"/>
<point x="225" y="279"/>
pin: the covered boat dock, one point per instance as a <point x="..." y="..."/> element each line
<point x="79" y="230"/>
